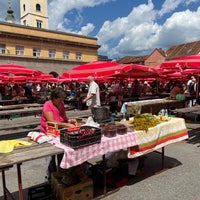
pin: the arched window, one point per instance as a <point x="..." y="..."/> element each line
<point x="24" y="7"/>
<point x="38" y="7"/>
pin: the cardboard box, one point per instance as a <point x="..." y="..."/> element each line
<point x="81" y="191"/>
<point x="56" y="178"/>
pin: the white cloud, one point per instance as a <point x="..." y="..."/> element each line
<point x="86" y="30"/>
<point x="58" y="8"/>
<point x="191" y="1"/>
<point x="169" y="5"/>
<point x="139" y="33"/>
<point x="131" y="30"/>
<point x="181" y="27"/>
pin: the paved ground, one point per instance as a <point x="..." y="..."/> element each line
<point x="179" y="181"/>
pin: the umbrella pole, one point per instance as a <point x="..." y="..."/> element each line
<point x="197" y="87"/>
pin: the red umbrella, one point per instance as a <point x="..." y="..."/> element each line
<point x="96" y="69"/>
<point x="16" y="70"/>
<point x="138" y="71"/>
<point x="191" y="71"/>
<point x="191" y="62"/>
<point x="12" y="65"/>
<point x="97" y="65"/>
<point x="163" y="71"/>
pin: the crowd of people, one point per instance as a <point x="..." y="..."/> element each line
<point x="110" y="92"/>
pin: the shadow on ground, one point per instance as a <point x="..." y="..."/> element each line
<point x="152" y="166"/>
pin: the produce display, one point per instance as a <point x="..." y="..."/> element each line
<point x="121" y="129"/>
<point x="109" y="129"/>
<point x="145" y="121"/>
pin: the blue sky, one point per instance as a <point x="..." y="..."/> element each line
<point x="124" y="27"/>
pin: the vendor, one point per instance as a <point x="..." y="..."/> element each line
<point x="177" y="89"/>
<point x="54" y="111"/>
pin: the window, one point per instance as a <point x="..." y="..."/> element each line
<point x="39" y="23"/>
<point x="24" y="22"/>
<point x="78" y="56"/>
<point x="36" y="52"/>
<point x="19" y="50"/>
<point x="52" y="53"/>
<point x="24" y="7"/>
<point x="66" y="55"/>
<point x="38" y="7"/>
<point x="2" y="48"/>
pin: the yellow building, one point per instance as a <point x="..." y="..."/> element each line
<point x="45" y="50"/>
<point x="41" y="49"/>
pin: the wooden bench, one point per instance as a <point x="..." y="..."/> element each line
<point x="182" y="112"/>
<point x="20" y="106"/>
<point x="26" y="111"/>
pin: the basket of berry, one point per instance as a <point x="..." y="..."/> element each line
<point x="78" y="137"/>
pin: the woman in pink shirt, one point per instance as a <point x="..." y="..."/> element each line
<point x="54" y="111"/>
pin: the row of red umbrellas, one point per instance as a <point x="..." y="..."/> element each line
<point x="179" y="68"/>
<point x="12" y="73"/>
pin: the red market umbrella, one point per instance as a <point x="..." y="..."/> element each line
<point x="11" y="65"/>
<point x="186" y="62"/>
<point x="138" y="71"/>
<point x="191" y="71"/>
<point x="97" y="65"/>
<point x="17" y="71"/>
<point x="96" y="69"/>
<point x="163" y="71"/>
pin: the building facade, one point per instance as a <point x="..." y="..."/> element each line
<point x="31" y="44"/>
<point x="45" y="50"/>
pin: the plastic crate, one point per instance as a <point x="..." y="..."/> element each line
<point x="40" y="192"/>
<point x="80" y="136"/>
<point x="52" y="129"/>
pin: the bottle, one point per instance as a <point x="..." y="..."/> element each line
<point x="166" y="112"/>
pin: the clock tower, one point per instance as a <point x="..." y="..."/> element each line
<point x="34" y="13"/>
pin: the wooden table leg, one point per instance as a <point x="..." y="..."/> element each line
<point x="6" y="192"/>
<point x="163" y="158"/>
<point x="21" y="196"/>
<point x="4" y="184"/>
<point x="104" y="175"/>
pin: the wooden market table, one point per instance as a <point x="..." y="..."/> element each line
<point x="138" y="143"/>
<point x="152" y="106"/>
<point x="36" y="151"/>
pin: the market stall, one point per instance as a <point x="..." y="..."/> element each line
<point x="139" y="142"/>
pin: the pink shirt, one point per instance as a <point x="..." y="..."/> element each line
<point x="59" y="115"/>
